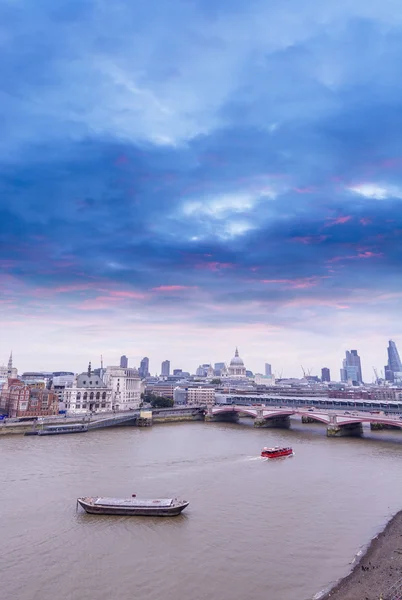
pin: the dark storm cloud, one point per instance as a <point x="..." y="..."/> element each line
<point x="246" y="169"/>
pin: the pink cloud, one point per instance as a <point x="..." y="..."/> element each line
<point x="214" y="266"/>
<point x="127" y="294"/>
<point x="173" y="288"/>
<point x="365" y="221"/>
<point x="363" y="254"/>
<point x="337" y="220"/>
<point x="310" y="239"/>
<point x="301" y="283"/>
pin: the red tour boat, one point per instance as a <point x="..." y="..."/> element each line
<point x="276" y="452"/>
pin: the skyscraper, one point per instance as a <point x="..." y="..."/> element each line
<point x="351" y="369"/>
<point x="144" y="367"/>
<point x="268" y="370"/>
<point x="394" y="362"/>
<point x="325" y="374"/>
<point x="165" y="370"/>
<point x="123" y="361"/>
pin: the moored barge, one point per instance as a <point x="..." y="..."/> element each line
<point x="276" y="452"/>
<point x="162" y="507"/>
<point x="60" y="429"/>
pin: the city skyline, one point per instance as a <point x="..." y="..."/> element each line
<point x="238" y="184"/>
<point x="368" y="373"/>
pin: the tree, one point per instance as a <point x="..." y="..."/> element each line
<point x="162" y="402"/>
<point x="158" y="401"/>
<point x="216" y="381"/>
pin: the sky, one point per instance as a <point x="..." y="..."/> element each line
<point x="179" y="178"/>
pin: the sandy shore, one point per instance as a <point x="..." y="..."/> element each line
<point x="377" y="570"/>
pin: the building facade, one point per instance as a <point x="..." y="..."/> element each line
<point x="21" y="400"/>
<point x="200" y="396"/>
<point x="144" y="368"/>
<point x="351" y="368"/>
<point x="325" y="374"/>
<point x="165" y="368"/>
<point x="268" y="370"/>
<point x="126" y="387"/>
<point x="123" y="361"/>
<point x="88" y="393"/>
<point x="393" y="370"/>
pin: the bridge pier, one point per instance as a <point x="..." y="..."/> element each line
<point x="228" y="417"/>
<point x="308" y="420"/>
<point x="349" y="430"/>
<point x="282" y="422"/>
<point x="380" y="426"/>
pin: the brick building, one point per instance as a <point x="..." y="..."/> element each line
<point x="20" y="400"/>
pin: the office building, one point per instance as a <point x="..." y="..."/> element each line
<point x="268" y="370"/>
<point x="144" y="368"/>
<point x="351" y="368"/>
<point x="126" y="387"/>
<point x="200" y="396"/>
<point x="123" y="361"/>
<point x="325" y="374"/>
<point x="165" y="369"/>
<point x="393" y="370"/>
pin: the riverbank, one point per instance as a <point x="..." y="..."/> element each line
<point x="377" y="570"/>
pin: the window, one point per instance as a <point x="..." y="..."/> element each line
<point x="79" y="396"/>
<point x="91" y="396"/>
<point x="85" y="395"/>
<point x="103" y="405"/>
<point x="104" y="396"/>
<point x="78" y="406"/>
<point x="90" y="382"/>
<point x="84" y="405"/>
<point x="97" y="395"/>
<point x="84" y="382"/>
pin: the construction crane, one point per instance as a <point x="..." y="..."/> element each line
<point x="377" y="379"/>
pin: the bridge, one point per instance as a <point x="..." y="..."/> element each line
<point x="339" y="423"/>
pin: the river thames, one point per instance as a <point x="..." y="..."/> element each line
<point x="254" y="528"/>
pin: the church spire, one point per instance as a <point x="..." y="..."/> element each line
<point x="89" y="369"/>
<point x="237" y="352"/>
<point x="10" y="364"/>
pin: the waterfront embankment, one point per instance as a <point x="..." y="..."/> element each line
<point x="377" y="570"/>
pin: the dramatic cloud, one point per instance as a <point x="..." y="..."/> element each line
<point x="174" y="181"/>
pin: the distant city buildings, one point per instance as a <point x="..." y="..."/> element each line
<point x="219" y="368"/>
<point x="177" y="372"/>
<point x="393" y="370"/>
<point x="165" y="368"/>
<point x="144" y="368"/>
<point x="123" y="361"/>
<point x="325" y="375"/>
<point x="351" y="368"/>
<point x="268" y="370"/>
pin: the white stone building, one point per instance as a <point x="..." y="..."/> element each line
<point x="200" y="396"/>
<point x="126" y="387"/>
<point x="88" y="393"/>
<point x="236" y="368"/>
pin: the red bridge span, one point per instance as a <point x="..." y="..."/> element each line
<point x="338" y="423"/>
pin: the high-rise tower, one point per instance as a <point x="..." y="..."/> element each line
<point x="352" y="369"/>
